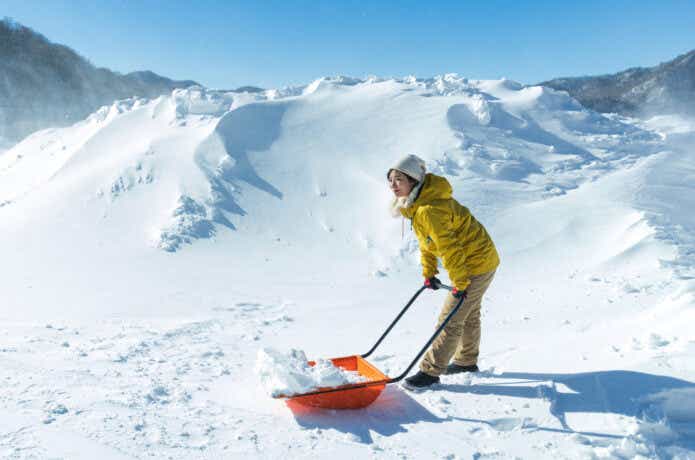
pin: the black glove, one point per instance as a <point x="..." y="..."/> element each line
<point x="433" y="283"/>
<point x="459" y="294"/>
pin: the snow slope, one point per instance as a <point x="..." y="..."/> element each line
<point x="151" y="250"/>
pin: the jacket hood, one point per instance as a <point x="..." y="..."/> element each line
<point x="433" y="188"/>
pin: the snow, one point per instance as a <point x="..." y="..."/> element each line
<point x="152" y="249"/>
<point x="287" y="374"/>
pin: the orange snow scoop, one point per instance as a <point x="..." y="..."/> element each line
<point x="358" y="395"/>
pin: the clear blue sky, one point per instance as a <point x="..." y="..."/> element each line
<point x="225" y="44"/>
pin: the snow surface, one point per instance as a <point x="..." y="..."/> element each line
<point x="287" y="374"/>
<point x="149" y="252"/>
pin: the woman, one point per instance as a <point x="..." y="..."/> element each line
<point x="448" y="231"/>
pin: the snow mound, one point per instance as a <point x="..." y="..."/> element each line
<point x="327" y="83"/>
<point x="449" y="85"/>
<point x="290" y="373"/>
<point x="253" y="160"/>
<point x="189" y="221"/>
<point x="198" y="100"/>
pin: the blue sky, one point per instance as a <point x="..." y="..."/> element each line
<point x="277" y="43"/>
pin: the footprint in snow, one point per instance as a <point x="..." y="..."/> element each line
<point x="656" y="341"/>
<point x="57" y="409"/>
<point x="53" y="411"/>
<point x="630" y="289"/>
<point x="158" y="395"/>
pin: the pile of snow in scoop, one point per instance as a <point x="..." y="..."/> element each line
<point x="290" y="373"/>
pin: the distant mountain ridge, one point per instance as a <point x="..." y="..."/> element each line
<point x="44" y="84"/>
<point x="666" y="88"/>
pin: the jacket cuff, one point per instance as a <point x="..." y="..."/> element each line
<point x="462" y="285"/>
<point x="429" y="274"/>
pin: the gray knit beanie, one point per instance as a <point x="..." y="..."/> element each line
<point x="411" y="165"/>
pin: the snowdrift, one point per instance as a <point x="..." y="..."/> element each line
<point x="150" y="250"/>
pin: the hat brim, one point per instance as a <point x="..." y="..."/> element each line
<point x="402" y="172"/>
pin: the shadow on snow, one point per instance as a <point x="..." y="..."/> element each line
<point x="387" y="416"/>
<point x="616" y="392"/>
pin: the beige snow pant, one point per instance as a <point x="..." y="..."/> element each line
<point x="460" y="338"/>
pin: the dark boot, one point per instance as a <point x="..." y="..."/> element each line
<point x="457" y="369"/>
<point x="420" y="381"/>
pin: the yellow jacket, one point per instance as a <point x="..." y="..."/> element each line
<point x="448" y="230"/>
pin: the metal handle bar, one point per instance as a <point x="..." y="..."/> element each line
<point x="407" y="306"/>
<point x="433" y="338"/>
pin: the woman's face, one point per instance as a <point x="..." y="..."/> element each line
<point x="400" y="184"/>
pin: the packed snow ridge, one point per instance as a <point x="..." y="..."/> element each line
<point x="191" y="158"/>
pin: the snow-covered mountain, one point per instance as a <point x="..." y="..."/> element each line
<point x="151" y="249"/>
<point x="44" y="84"/>
<point x="664" y="89"/>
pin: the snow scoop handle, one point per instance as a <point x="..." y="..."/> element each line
<point x="355" y="386"/>
<point x="429" y="342"/>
